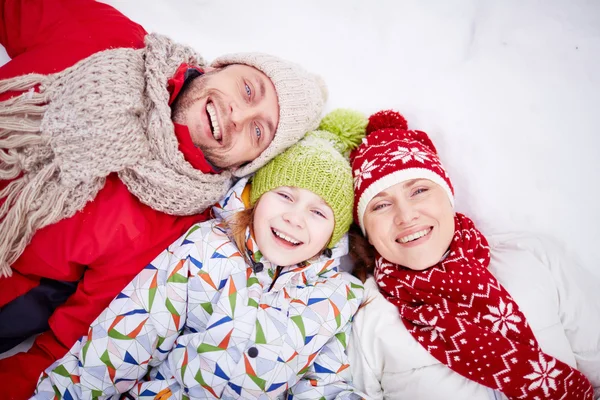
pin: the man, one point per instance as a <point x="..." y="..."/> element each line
<point x="108" y="156"/>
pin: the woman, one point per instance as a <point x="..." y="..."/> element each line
<point x="451" y="314"/>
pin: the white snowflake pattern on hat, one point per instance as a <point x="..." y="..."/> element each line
<point x="406" y="155"/>
<point x="364" y="172"/>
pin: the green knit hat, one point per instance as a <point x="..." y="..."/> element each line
<point x="319" y="163"/>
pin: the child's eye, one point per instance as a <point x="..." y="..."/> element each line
<point x="319" y="213"/>
<point x="248" y="90"/>
<point x="284" y="195"/>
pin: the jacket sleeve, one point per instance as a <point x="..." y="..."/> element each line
<point x="136" y="331"/>
<point x="112" y="262"/>
<point x="67" y="324"/>
<point x="579" y="304"/>
<point x="329" y="376"/>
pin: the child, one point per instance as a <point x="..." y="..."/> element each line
<point x="453" y="314"/>
<point x="249" y="305"/>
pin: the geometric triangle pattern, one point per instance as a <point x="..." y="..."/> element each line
<point x="199" y="323"/>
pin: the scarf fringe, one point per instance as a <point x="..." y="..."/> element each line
<point x="25" y="211"/>
<point x="16" y="141"/>
<point x="10" y="192"/>
<point x="12" y="162"/>
<point x="19" y="124"/>
<point x="23" y="105"/>
<point x="22" y="83"/>
<point x="64" y="133"/>
<point x="25" y="207"/>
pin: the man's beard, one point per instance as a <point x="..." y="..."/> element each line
<point x="189" y="95"/>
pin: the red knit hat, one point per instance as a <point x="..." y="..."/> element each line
<point x="391" y="154"/>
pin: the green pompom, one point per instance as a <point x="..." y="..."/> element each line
<point x="349" y="125"/>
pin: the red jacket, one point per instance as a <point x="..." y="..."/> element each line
<point x="113" y="237"/>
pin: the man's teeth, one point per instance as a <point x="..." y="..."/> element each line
<point x="214" y="121"/>
<point x="414" y="236"/>
<point x="285" y="237"/>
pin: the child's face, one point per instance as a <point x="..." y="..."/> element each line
<point x="292" y="225"/>
<point x="411" y="223"/>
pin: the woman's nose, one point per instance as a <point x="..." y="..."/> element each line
<point x="404" y="214"/>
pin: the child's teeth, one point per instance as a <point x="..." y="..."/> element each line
<point x="285" y="237"/>
<point x="416" y="235"/>
<point x="213" y="119"/>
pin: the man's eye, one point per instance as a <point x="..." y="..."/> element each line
<point x="248" y="90"/>
<point x="419" y="191"/>
<point x="257" y="131"/>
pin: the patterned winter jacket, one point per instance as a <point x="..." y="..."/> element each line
<point x="201" y="322"/>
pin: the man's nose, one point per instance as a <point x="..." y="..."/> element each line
<point x="239" y="115"/>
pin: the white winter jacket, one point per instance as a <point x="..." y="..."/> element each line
<point x="200" y="322"/>
<point x="559" y="299"/>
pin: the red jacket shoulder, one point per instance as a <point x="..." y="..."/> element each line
<point x="48" y="36"/>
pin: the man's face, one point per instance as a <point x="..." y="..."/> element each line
<point x="232" y="114"/>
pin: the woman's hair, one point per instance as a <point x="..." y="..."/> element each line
<point x="362" y="253"/>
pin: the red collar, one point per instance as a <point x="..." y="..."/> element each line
<point x="191" y="153"/>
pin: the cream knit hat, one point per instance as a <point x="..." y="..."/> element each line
<point x="301" y="96"/>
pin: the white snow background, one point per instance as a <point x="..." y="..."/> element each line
<point x="508" y="90"/>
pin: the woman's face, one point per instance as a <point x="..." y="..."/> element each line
<point x="411" y="223"/>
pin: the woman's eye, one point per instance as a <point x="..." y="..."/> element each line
<point x="248" y="90"/>
<point x="380" y="206"/>
<point x="257" y="131"/>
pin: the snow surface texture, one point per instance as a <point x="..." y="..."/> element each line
<point x="509" y="90"/>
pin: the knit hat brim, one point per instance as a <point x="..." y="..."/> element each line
<point x="315" y="165"/>
<point x="300" y="94"/>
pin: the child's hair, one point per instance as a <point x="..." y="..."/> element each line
<point x="237" y="224"/>
<point x="362" y="253"/>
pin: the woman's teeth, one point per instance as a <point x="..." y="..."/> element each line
<point x="285" y="237"/>
<point x="414" y="236"/>
<point x="214" y="121"/>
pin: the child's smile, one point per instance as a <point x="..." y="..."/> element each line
<point x="292" y="225"/>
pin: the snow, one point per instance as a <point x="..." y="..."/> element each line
<point x="508" y="90"/>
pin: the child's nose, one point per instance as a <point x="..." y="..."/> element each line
<point x="294" y="218"/>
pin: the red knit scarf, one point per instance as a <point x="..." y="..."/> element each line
<point x="461" y="315"/>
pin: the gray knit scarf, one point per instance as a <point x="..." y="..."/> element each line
<point x="107" y="113"/>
